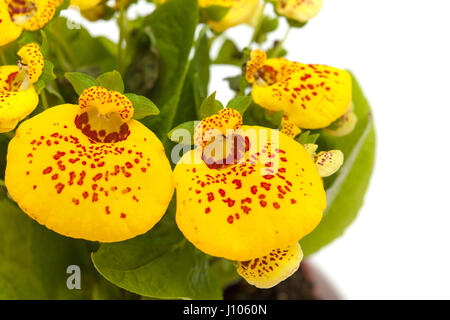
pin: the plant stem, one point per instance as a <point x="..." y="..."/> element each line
<point x="258" y="25"/>
<point x="280" y="44"/>
<point x="3" y="57"/>
<point x="44" y="99"/>
<point x="121" y="23"/>
<point x="2" y="183"/>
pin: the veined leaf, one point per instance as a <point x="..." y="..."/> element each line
<point x="160" y="264"/>
<point x="34" y="260"/>
<point x="143" y="107"/>
<point x="210" y="106"/>
<point x="80" y="81"/>
<point x="240" y="103"/>
<point x="345" y="191"/>
<point x="173" y="26"/>
<point x="112" y="81"/>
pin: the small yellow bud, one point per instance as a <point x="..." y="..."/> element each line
<point x="328" y="162"/>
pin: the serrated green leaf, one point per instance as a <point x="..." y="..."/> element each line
<point x="210" y="106"/>
<point x="346" y="189"/>
<point x="47" y="76"/>
<point x="80" y="81"/>
<point x="143" y="107"/>
<point x="188" y="126"/>
<point x="160" y="264"/>
<point x="112" y="81"/>
<point x="240" y="103"/>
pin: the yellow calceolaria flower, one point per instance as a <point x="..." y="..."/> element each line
<point x="344" y="125"/>
<point x="328" y="162"/>
<point x="312" y="96"/>
<point x="241" y="11"/>
<point x="85" y="4"/>
<point x="17" y="15"/>
<point x="89" y="171"/>
<point x="262" y="193"/>
<point x="299" y="10"/>
<point x="18" y="98"/>
<point x="276" y="266"/>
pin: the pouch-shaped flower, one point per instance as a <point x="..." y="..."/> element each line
<point x="85" y="4"/>
<point x="89" y="171"/>
<point x="241" y="11"/>
<point x="18" y="98"/>
<point x="299" y="10"/>
<point x="17" y="15"/>
<point x="261" y="194"/>
<point x="312" y="96"/>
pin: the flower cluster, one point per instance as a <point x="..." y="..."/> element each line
<point x="245" y="193"/>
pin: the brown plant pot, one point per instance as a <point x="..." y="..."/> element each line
<point x="308" y="283"/>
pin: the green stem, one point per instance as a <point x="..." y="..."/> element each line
<point x="258" y="25"/>
<point x="65" y="50"/>
<point x="121" y="23"/>
<point x="44" y="99"/>
<point x="280" y="44"/>
<point x="2" y="183"/>
<point x="3" y="57"/>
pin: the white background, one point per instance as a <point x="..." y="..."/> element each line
<point x="398" y="248"/>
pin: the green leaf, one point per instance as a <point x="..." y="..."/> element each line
<point x="34" y="260"/>
<point x="296" y="24"/>
<point x="80" y="81"/>
<point x="47" y="76"/>
<point x="229" y="53"/>
<point x="143" y="107"/>
<point x="225" y="271"/>
<point x="160" y="264"/>
<point x="306" y="137"/>
<point x="44" y="44"/>
<point x="173" y="26"/>
<point x="77" y="50"/>
<point x="210" y="106"/>
<point x="143" y="60"/>
<point x="195" y="87"/>
<point x="345" y="190"/>
<point x="213" y="13"/>
<point x="240" y="103"/>
<point x="234" y="82"/>
<point x="189" y="126"/>
<point x="64" y="5"/>
<point x="257" y="116"/>
<point x="268" y="25"/>
<point x="112" y="81"/>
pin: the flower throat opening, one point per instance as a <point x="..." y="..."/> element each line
<point x="104" y="115"/>
<point x="21" y="11"/>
